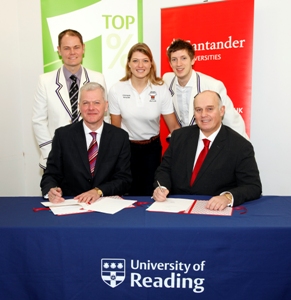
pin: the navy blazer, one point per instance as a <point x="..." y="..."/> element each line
<point x="230" y="165"/>
<point x="68" y="164"/>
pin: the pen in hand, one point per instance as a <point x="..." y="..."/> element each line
<point x="160" y="187"/>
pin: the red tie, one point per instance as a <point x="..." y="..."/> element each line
<point x="200" y="160"/>
<point x="92" y="152"/>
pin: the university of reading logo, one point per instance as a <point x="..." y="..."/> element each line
<point x="156" y="275"/>
<point x="113" y="271"/>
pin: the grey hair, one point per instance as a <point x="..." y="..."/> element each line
<point x="220" y="101"/>
<point x="92" y="86"/>
<point x="217" y="94"/>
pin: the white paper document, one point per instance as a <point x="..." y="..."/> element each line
<point x="199" y="208"/>
<point x="68" y="210"/>
<point x="64" y="203"/>
<point x="172" y="205"/>
<point x="186" y="206"/>
<point x="108" y="205"/>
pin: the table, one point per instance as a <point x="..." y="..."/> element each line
<point x="136" y="254"/>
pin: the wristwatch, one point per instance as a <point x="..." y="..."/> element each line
<point x="100" y="193"/>
<point x="229" y="197"/>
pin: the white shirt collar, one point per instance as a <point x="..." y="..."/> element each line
<point x="88" y="130"/>
<point x="211" y="138"/>
<point x="148" y="84"/>
<point x="88" y="135"/>
<point x="191" y="81"/>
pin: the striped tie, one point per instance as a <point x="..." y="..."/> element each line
<point x="92" y="152"/>
<point x="73" y="93"/>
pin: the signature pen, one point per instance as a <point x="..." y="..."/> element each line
<point x="160" y="187"/>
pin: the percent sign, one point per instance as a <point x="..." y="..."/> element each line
<point x="117" y="43"/>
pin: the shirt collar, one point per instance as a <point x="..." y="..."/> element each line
<point x="191" y="81"/>
<point x="211" y="137"/>
<point x="88" y="130"/>
<point x="68" y="74"/>
<point x="148" y="84"/>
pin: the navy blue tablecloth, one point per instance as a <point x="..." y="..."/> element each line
<point x="136" y="254"/>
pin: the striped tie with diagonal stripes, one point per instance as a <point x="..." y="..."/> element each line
<point x="92" y="152"/>
<point x="73" y="94"/>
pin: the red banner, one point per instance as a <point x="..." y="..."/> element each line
<point x="222" y="35"/>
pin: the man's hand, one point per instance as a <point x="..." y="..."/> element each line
<point x="55" y="195"/>
<point x="88" y="197"/>
<point x="217" y="203"/>
<point x="160" y="194"/>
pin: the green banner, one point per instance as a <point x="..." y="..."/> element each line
<point x="109" y="29"/>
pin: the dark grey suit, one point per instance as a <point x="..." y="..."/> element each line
<point x="230" y="165"/>
<point x="68" y="164"/>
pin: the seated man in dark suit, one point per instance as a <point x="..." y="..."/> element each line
<point x="229" y="171"/>
<point x="69" y="171"/>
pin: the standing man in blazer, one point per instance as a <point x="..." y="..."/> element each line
<point x="70" y="171"/>
<point x="229" y="171"/>
<point x="52" y="107"/>
<point x="185" y="83"/>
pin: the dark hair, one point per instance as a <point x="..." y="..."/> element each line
<point x="70" y="32"/>
<point x="143" y="48"/>
<point x="180" y="45"/>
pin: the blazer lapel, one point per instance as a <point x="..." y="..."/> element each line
<point x="195" y="82"/>
<point x="105" y="144"/>
<point x="191" y="149"/>
<point x="84" y="77"/>
<point x="80" y="141"/>
<point x="62" y="91"/>
<point x="172" y="89"/>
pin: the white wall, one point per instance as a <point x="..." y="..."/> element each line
<point x="11" y="119"/>
<point x="271" y="103"/>
<point x="21" y="61"/>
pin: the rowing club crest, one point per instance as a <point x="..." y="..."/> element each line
<point x="113" y="271"/>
